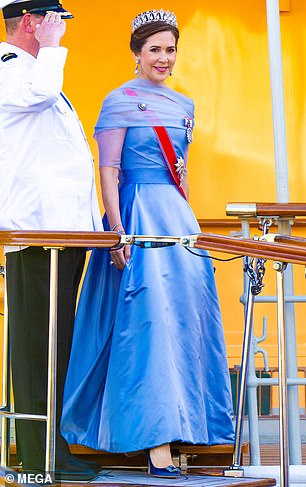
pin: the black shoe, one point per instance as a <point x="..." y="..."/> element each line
<point x="86" y="463"/>
<point x="72" y="471"/>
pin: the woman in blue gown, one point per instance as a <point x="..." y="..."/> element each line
<point x="148" y="364"/>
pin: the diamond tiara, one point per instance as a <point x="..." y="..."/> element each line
<point x="153" y="16"/>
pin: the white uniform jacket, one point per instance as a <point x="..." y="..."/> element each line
<point x="46" y="168"/>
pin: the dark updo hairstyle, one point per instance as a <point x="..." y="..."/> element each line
<point x="139" y="36"/>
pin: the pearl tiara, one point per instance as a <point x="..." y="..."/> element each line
<point x="154" y="16"/>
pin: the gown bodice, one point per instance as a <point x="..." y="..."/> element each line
<point x="141" y="148"/>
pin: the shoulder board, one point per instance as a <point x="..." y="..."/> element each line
<point x="8" y="56"/>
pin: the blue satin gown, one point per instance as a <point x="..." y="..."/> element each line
<point x="148" y="363"/>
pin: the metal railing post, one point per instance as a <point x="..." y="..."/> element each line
<point x="294" y="428"/>
<point x="52" y="365"/>
<point x="235" y="469"/>
<point x="282" y="377"/>
<point x="243" y="376"/>
<point x="5" y="422"/>
<point x="251" y="392"/>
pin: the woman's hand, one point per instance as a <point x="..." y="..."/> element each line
<point x="121" y="257"/>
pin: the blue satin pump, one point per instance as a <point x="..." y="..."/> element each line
<point x="166" y="472"/>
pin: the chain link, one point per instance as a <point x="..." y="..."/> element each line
<point x="256" y="274"/>
<point x="264" y="225"/>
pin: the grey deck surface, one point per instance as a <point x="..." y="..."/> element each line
<point x="141" y="478"/>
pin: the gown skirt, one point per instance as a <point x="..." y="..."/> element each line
<point x="148" y="364"/>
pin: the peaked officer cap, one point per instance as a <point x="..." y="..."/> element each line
<point x="17" y="8"/>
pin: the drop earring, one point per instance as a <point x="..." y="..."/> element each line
<point x="171" y="72"/>
<point x="137" y="69"/>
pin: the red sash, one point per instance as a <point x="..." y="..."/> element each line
<point x="165" y="143"/>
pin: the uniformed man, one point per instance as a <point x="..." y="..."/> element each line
<point x="46" y="183"/>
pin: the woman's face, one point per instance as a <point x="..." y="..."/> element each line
<point x="157" y="57"/>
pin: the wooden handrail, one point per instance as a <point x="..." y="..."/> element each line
<point x="290" y="253"/>
<point x="59" y="239"/>
<point x="235" y="223"/>
<point x="290" y="240"/>
<point x="284" y="248"/>
<point x="281" y="210"/>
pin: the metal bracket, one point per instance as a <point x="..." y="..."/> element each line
<point x="242" y="210"/>
<point x="279" y="266"/>
<point x="234" y="472"/>
<point x="186" y="241"/>
<point x="55" y="248"/>
<point x="268" y="237"/>
<point x="189" y="241"/>
<point x="184" y="463"/>
<point x="256" y="340"/>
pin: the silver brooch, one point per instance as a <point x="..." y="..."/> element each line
<point x="180" y="166"/>
<point x="142" y="106"/>
<point x="189" y="128"/>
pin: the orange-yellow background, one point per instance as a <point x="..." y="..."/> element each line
<point x="223" y="63"/>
